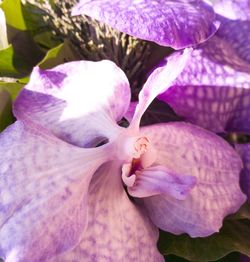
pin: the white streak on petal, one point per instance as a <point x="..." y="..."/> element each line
<point x="3" y="31"/>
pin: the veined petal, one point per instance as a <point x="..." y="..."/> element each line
<point x="211" y="91"/>
<point x="78" y="101"/>
<point x="160" y="79"/>
<point x="158" y="180"/>
<point x="44" y="183"/>
<point x="232" y="36"/>
<point x="117" y="230"/>
<point x="244" y="151"/>
<point x="175" y="23"/>
<point x="189" y="150"/>
<point x="3" y="31"/>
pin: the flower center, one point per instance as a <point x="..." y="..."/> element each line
<point x="143" y="156"/>
<point x="140" y="146"/>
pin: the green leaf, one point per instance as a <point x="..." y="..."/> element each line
<point x="33" y="18"/>
<point x="14" y="14"/>
<point x="58" y="55"/>
<point x="7" y="67"/>
<point x="12" y="88"/>
<point x="234" y="236"/>
<point x="6" y="117"/>
<point x="46" y="40"/>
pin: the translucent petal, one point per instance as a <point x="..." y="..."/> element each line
<point x="160" y="79"/>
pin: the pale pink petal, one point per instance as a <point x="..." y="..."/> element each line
<point x="192" y="151"/>
<point x="160" y="79"/>
<point x="158" y="180"/>
<point x="78" y="101"/>
<point x="244" y="151"/>
<point x="117" y="230"/>
<point x="44" y="183"/>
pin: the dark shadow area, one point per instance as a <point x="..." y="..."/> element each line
<point x="26" y="52"/>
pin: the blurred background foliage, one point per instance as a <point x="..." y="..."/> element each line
<point x="43" y="33"/>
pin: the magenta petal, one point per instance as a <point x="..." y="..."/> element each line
<point x="157" y="180"/>
<point x="78" y="101"/>
<point x="190" y="150"/>
<point x="44" y="184"/>
<point x="244" y="151"/>
<point x="175" y="23"/>
<point x="117" y="230"/>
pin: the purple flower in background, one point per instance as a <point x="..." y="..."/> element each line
<point x="68" y="172"/>
<point x="175" y="23"/>
<point x="213" y="91"/>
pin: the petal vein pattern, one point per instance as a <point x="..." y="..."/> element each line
<point x="118" y="230"/>
<point x="175" y="23"/>
<point x="192" y="151"/>
<point x="213" y="91"/>
<point x="44" y="183"/>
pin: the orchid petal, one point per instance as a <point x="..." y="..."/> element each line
<point x="213" y="90"/>
<point x="159" y="180"/>
<point x="160" y="79"/>
<point x="232" y="36"/>
<point x="211" y="95"/>
<point x="44" y="184"/>
<point x="234" y="9"/>
<point x="3" y="31"/>
<point x="190" y="150"/>
<point x="131" y="111"/>
<point x="118" y="230"/>
<point x="175" y="23"/>
<point x="244" y="151"/>
<point x="78" y="101"/>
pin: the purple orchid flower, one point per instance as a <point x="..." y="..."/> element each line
<point x="213" y="91"/>
<point x="175" y="23"/>
<point x="64" y="198"/>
